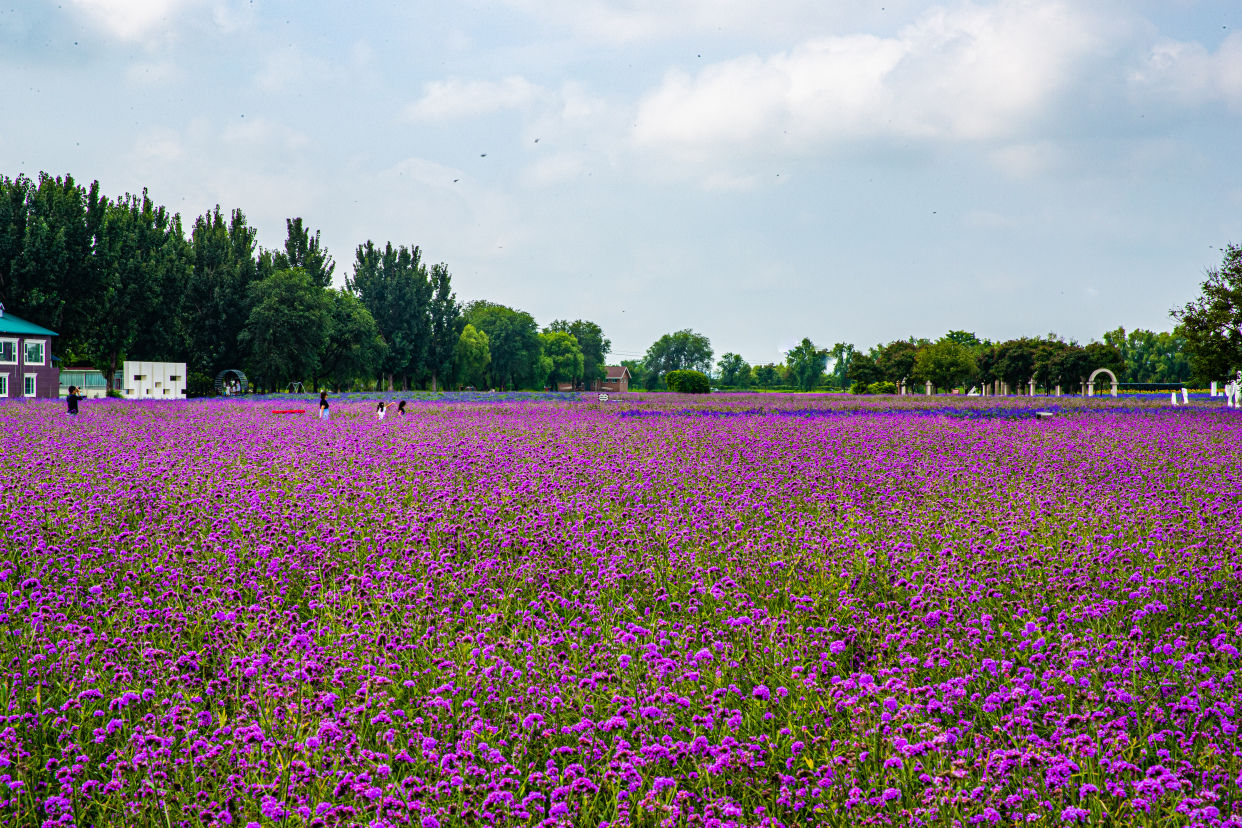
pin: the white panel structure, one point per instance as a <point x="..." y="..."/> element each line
<point x="153" y="380"/>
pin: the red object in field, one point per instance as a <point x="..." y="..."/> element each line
<point x="289" y="411"/>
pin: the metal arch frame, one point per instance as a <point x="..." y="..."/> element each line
<point x="231" y="373"/>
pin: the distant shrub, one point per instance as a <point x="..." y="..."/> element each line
<point x="882" y="388"/>
<point x="688" y="382"/>
<point x="858" y="387"/>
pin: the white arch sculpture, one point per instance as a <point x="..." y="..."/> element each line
<point x="1091" y="381"/>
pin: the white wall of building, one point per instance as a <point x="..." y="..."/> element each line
<point x="153" y="380"/>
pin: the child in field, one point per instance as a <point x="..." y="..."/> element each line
<point x="323" y="406"/>
<point x="401" y="408"/>
<point x="380" y="410"/>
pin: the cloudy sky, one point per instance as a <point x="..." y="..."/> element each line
<point x="757" y="170"/>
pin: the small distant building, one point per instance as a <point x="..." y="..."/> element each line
<point x="26" y="368"/>
<point x="89" y="382"/>
<point x="616" y="378"/>
<point x="151" y="381"/>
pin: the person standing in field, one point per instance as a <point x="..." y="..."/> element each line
<point x="401" y="407"/>
<point x="380" y="410"/>
<point x="323" y="406"/>
<point x="73" y="399"/>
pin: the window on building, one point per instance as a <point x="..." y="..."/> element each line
<point x="34" y="353"/>
<point x="4" y="385"/>
<point x="30" y="386"/>
<point x="8" y="351"/>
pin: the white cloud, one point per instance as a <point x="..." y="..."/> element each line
<point x="129" y="19"/>
<point x="456" y="98"/>
<point x="1187" y="73"/>
<point x="627" y="21"/>
<point x="963" y="73"/>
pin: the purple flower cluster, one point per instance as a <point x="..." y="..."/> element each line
<point x="739" y="611"/>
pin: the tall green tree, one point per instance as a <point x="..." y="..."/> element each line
<point x="1212" y="322"/>
<point x="946" y="364"/>
<point x="807" y="364"/>
<point x="444" y="327"/>
<point x="226" y="263"/>
<point x="595" y="347"/>
<point x="895" y="361"/>
<point x="1151" y="356"/>
<point x="863" y="370"/>
<point x="840" y="358"/>
<point x="139" y="251"/>
<point x="287" y="328"/>
<point x="393" y="285"/>
<point x="513" y="342"/>
<point x="734" y="371"/>
<point x="472" y="356"/>
<point x="679" y="351"/>
<point x="165" y="334"/>
<point x="564" y="357"/>
<point x="353" y="348"/>
<point x="966" y="338"/>
<point x="1013" y="362"/>
<point x="770" y="375"/>
<point x="48" y="267"/>
<point x="302" y="250"/>
<point x="13" y="219"/>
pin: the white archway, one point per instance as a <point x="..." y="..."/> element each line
<point x="1091" y="381"/>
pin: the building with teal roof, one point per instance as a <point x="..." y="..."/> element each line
<point x="26" y="369"/>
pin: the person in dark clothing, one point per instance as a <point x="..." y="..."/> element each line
<point x="323" y="405"/>
<point x="72" y="399"/>
<point x="401" y="407"/>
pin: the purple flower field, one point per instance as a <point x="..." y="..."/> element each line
<point x="735" y="611"/>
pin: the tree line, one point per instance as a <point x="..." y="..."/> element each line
<point x="122" y="278"/>
<point x="959" y="359"/>
<point x="1204" y="346"/>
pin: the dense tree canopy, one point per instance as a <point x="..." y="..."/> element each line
<point x="563" y="357"/>
<point x="122" y="279"/>
<point x="353" y="346"/>
<point x="513" y="342"/>
<point x="302" y="250"/>
<point x="593" y="344"/>
<point x="895" y="361"/>
<point x="1151" y="356"/>
<point x="472" y="356"/>
<point x="287" y="327"/>
<point x="946" y="364"/>
<point x="1211" y="324"/>
<point x="683" y="350"/>
<point x="806" y="364"/>
<point x="734" y="371"/>
<point x="226" y="262"/>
